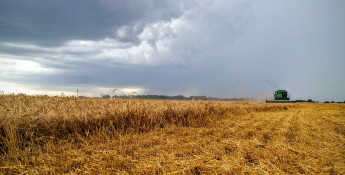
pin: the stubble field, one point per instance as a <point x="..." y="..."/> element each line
<point x="66" y="135"/>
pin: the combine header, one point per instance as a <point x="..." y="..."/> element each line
<point x="281" y="96"/>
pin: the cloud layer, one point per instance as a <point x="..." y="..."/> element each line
<point x="215" y="47"/>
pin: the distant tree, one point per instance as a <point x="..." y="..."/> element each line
<point x="106" y="96"/>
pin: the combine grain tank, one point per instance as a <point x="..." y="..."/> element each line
<point x="281" y="96"/>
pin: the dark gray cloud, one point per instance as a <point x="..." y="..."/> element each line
<point x="53" y="22"/>
<point x="214" y="48"/>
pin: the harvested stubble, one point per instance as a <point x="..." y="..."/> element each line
<point x="101" y="136"/>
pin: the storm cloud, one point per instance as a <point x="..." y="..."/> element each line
<point x="215" y="47"/>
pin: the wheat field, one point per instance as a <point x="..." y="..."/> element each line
<point x="67" y="135"/>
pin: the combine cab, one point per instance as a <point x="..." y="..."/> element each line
<point x="281" y="96"/>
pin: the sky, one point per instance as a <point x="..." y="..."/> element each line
<point x="219" y="48"/>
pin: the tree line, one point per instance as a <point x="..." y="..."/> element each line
<point x="177" y="97"/>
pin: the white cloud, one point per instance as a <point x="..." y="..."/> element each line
<point x="10" y="65"/>
<point x="16" y="88"/>
<point x="85" y="90"/>
<point x="122" y="32"/>
<point x="153" y="47"/>
<point x="141" y="54"/>
<point x="88" y="46"/>
<point x="154" y="31"/>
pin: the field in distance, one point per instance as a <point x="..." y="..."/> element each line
<point x="65" y="135"/>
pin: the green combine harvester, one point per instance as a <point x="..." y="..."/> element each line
<point x="281" y="96"/>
